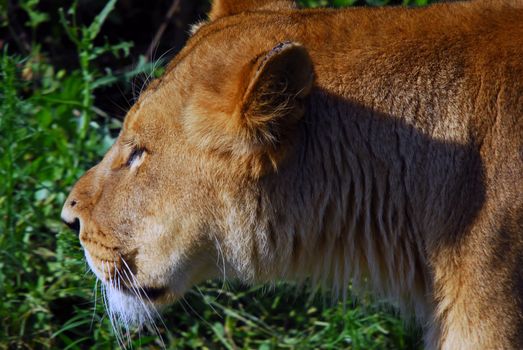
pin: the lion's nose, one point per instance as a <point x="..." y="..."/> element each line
<point x="68" y="216"/>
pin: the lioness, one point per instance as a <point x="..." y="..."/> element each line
<point x="378" y="146"/>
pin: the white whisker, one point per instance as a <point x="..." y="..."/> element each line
<point x="143" y="291"/>
<point x="125" y="322"/>
<point x="207" y="302"/>
<point x="195" y="312"/>
<point x="134" y="285"/>
<point x="106" y="303"/>
<point x="95" y="292"/>
<point x="114" y="316"/>
<point x="220" y="254"/>
<point x="154" y="66"/>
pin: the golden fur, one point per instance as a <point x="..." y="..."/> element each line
<point x="378" y="146"/>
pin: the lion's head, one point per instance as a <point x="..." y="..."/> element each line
<point x="175" y="200"/>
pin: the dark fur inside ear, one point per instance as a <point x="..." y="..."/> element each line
<point x="223" y="8"/>
<point x="273" y="99"/>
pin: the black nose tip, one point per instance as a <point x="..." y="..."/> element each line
<point x="75" y="225"/>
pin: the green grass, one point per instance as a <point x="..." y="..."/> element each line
<point x="51" y="131"/>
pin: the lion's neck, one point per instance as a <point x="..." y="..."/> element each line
<point x="355" y="204"/>
<point x="370" y="189"/>
<point x="341" y="213"/>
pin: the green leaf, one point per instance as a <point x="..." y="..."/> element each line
<point x="343" y="3"/>
<point x="99" y="20"/>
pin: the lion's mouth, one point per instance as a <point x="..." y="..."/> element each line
<point x="125" y="282"/>
<point x="145" y="293"/>
<point x="135" y="306"/>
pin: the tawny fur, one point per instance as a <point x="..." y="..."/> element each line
<point x="378" y="146"/>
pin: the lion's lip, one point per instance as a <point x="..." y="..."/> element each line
<point x="147" y="293"/>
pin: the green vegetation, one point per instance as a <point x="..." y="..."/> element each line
<point x="52" y="128"/>
<point x="345" y="3"/>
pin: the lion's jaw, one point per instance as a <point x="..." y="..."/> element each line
<point x="131" y="307"/>
<point x="130" y="298"/>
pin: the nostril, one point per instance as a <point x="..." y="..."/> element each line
<point x="75" y="225"/>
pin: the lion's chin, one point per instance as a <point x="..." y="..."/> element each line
<point x="134" y="309"/>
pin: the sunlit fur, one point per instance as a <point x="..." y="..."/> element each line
<point x="381" y="147"/>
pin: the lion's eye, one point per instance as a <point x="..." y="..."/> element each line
<point x="135" y="157"/>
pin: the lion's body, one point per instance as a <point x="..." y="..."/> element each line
<point x="400" y="168"/>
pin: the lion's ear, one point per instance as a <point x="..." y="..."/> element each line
<point x="223" y="8"/>
<point x="275" y="87"/>
<point x="251" y="111"/>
